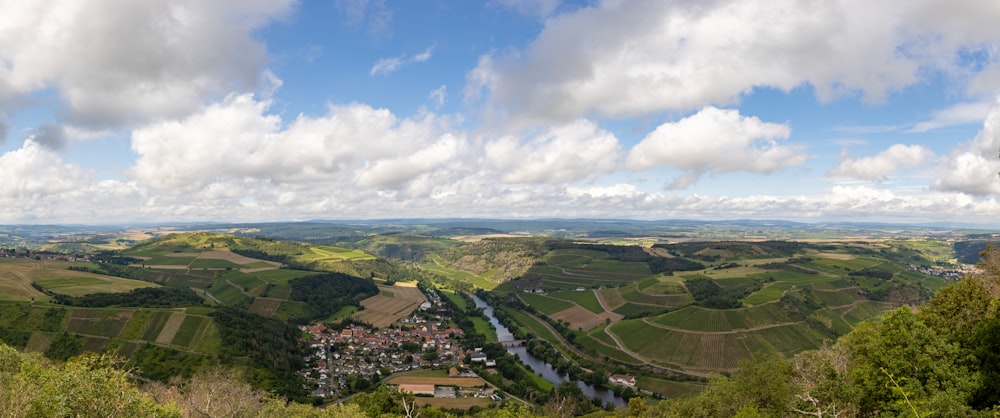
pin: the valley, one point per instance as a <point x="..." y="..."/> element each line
<point x="666" y="313"/>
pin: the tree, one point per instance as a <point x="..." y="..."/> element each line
<point x="959" y="309"/>
<point x="933" y="372"/>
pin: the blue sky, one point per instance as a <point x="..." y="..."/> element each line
<point x="268" y="110"/>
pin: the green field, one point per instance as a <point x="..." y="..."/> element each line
<point x="544" y="303"/>
<point x="213" y="263"/>
<point x="69" y="282"/>
<point x="769" y="293"/>
<point x="436" y="266"/>
<point x="483" y="328"/>
<point x="586" y="299"/>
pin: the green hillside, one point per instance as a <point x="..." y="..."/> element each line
<point x="702" y="307"/>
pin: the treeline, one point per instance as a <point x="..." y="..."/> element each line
<point x="873" y="273"/>
<point x="268" y="348"/>
<point x="149" y="297"/>
<point x="326" y="293"/>
<point x="708" y="293"/>
<point x="116" y="270"/>
<point x="663" y="265"/>
<point x="632" y="253"/>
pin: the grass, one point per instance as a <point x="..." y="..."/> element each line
<point x="341" y="314"/>
<point x="769" y="293"/>
<point x="137" y="324"/>
<point x="69" y="282"/>
<point x="185" y="335"/>
<point x="669" y="388"/>
<point x="483" y="328"/>
<point x="227" y="294"/>
<point x="435" y="266"/>
<point x="455" y="298"/>
<point x="17" y="275"/>
<point x="586" y="299"/>
<point x="545" y="304"/>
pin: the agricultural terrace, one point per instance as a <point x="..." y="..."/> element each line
<point x="438" y="266"/>
<point x="779" y="297"/>
<point x="207" y="260"/>
<point x="569" y="269"/>
<point x="33" y="327"/>
<point x="391" y="304"/>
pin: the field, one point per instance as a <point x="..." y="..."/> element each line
<point x="436" y="266"/>
<point x="383" y="309"/>
<point x="465" y="382"/>
<point x="786" y="301"/>
<point x="17" y="275"/>
<point x="206" y="260"/>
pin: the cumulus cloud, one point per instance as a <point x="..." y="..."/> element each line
<point x="565" y="153"/>
<point x="34" y="172"/>
<point x="716" y="141"/>
<point x="973" y="167"/>
<point x="50" y="136"/>
<point x="881" y="165"/>
<point x="238" y="139"/>
<point x="114" y="62"/>
<point x="630" y="58"/>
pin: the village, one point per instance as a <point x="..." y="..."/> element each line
<point x="343" y="357"/>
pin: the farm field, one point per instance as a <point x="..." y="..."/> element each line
<point x="206" y="260"/>
<point x="18" y="274"/>
<point x="783" y="298"/>
<point x="436" y="266"/>
<point x="391" y="304"/>
<point x="434" y="380"/>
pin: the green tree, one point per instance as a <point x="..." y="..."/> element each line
<point x="934" y="373"/>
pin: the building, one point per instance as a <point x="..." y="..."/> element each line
<point x="417" y="389"/>
<point x="622" y="379"/>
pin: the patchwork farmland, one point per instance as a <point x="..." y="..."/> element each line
<point x="746" y="297"/>
<point x="391" y="304"/>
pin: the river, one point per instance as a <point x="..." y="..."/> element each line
<point x="542" y="368"/>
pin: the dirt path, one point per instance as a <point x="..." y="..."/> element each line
<point x="735" y="331"/>
<point x="608" y="314"/>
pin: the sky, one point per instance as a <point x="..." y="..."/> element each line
<point x="120" y="111"/>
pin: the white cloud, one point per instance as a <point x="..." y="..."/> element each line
<point x="973" y="168"/>
<point x="629" y="58"/>
<point x="386" y="66"/>
<point x="237" y="139"/>
<point x="565" y="153"/>
<point x="880" y="166"/>
<point x="438" y="95"/>
<point x="424" y="56"/>
<point x="717" y="141"/>
<point x="959" y="114"/>
<point x="34" y="171"/>
<point x="114" y="62"/>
